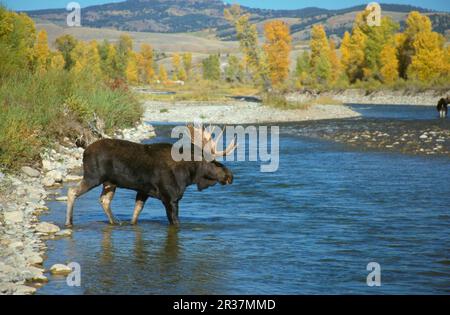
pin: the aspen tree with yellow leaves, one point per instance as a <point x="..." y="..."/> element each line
<point x="277" y="49"/>
<point x="42" y="52"/>
<point x="389" y="61"/>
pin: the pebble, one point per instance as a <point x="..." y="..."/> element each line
<point x="60" y="269"/>
<point x="47" y="228"/>
<point x="31" y="172"/>
<point x="64" y="233"/>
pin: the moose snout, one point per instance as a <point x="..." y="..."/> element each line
<point x="228" y="179"/>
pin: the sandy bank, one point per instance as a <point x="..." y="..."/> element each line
<point x="238" y="113"/>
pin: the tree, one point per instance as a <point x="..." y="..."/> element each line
<point x="123" y="48"/>
<point x="353" y="56"/>
<point x="320" y="55"/>
<point x="163" y="74"/>
<point x="415" y="24"/>
<point x="187" y="63"/>
<point x="277" y="49"/>
<point x="17" y="40"/>
<point x="57" y="61"/>
<point x="176" y="66"/>
<point x="335" y="63"/>
<point x="389" y="61"/>
<point x="234" y="72"/>
<point x="65" y="44"/>
<point x="302" y="69"/>
<point x="87" y="60"/>
<point x="376" y="37"/>
<point x="247" y="35"/>
<point x="146" y="63"/>
<point x="42" y="52"/>
<point x="429" y="61"/>
<point x="131" y="72"/>
<point x="211" y="68"/>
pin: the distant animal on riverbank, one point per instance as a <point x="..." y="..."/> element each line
<point x="150" y="170"/>
<point x="442" y="107"/>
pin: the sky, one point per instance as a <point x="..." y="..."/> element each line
<point x="440" y="5"/>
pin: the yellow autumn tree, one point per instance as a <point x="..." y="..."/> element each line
<point x="87" y="59"/>
<point x="163" y="74"/>
<point x="176" y="66"/>
<point x="57" y="61"/>
<point x="145" y="64"/>
<point x="187" y="64"/>
<point x="42" y="52"/>
<point x="277" y="49"/>
<point x="131" y="71"/>
<point x="416" y="23"/>
<point x="429" y="61"/>
<point x="352" y="51"/>
<point x="389" y="61"/>
<point x="334" y="62"/>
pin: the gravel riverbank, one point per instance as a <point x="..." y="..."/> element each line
<point x="22" y="199"/>
<point x="386" y="97"/>
<point x="239" y="112"/>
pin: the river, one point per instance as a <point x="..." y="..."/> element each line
<point x="312" y="227"/>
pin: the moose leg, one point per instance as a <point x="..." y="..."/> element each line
<point x="105" y="200"/>
<point x="172" y="212"/>
<point x="72" y="194"/>
<point x="140" y="202"/>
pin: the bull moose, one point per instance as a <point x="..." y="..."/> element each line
<point x="150" y="170"/>
<point x="442" y="107"/>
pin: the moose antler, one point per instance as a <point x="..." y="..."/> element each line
<point x="206" y="141"/>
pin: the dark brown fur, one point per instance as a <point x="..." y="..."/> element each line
<point x="147" y="169"/>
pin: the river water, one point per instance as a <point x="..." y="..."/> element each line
<point x="312" y="227"/>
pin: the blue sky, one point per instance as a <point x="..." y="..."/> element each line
<point x="443" y="5"/>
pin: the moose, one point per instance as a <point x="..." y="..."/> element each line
<point x="442" y="106"/>
<point x="150" y="170"/>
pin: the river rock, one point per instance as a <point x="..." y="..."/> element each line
<point x="13" y="217"/>
<point x="61" y="198"/>
<point x="60" y="269"/>
<point x="48" y="182"/>
<point x="64" y="233"/>
<point x="424" y="136"/>
<point x="55" y="175"/>
<point x="48" y="228"/>
<point x="24" y="290"/>
<point x="31" y="172"/>
<point x="73" y="178"/>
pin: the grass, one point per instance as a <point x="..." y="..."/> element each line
<point x="38" y="109"/>
<point x="202" y="91"/>
<point x="278" y="100"/>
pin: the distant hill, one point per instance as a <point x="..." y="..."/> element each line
<point x="176" y="16"/>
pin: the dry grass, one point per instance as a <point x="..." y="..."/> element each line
<point x="201" y="91"/>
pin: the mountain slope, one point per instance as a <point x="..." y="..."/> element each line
<point x="173" y="16"/>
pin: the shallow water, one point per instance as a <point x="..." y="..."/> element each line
<point x="312" y="227"/>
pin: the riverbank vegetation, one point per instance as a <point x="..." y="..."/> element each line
<point x="50" y="95"/>
<point x="369" y="57"/>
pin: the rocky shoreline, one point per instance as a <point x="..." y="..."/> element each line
<point x="23" y="198"/>
<point x="385" y="97"/>
<point x="239" y="112"/>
